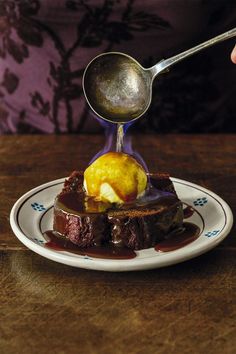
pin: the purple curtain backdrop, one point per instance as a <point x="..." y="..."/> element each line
<point x="46" y="44"/>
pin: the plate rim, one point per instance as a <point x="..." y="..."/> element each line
<point x="113" y="265"/>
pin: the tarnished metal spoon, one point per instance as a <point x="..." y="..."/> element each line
<point x="119" y="89"/>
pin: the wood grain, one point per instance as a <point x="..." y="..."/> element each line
<point x="49" y="307"/>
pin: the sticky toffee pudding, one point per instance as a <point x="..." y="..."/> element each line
<point x="85" y="226"/>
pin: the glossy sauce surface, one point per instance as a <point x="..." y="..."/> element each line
<point x="188" y="234"/>
<point x="173" y="241"/>
<point x="108" y="251"/>
<point x="80" y="203"/>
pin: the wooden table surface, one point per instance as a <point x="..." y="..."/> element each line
<point x="47" y="307"/>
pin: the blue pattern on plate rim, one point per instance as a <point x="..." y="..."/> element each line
<point x="38" y="207"/>
<point x="36" y="240"/>
<point x="200" y="201"/>
<point x="212" y="233"/>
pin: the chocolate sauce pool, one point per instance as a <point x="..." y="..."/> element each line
<point x="180" y="238"/>
<point x="60" y="243"/>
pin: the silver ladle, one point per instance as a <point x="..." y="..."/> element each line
<point x="119" y="89"/>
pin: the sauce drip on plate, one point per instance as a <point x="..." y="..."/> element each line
<point x="107" y="251"/>
<point x="189" y="233"/>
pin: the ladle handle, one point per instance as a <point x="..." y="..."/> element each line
<point x="166" y="63"/>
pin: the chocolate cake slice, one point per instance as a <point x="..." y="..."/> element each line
<point x="87" y="222"/>
<point x="78" y="217"/>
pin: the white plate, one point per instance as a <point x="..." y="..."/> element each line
<point x="31" y="216"/>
